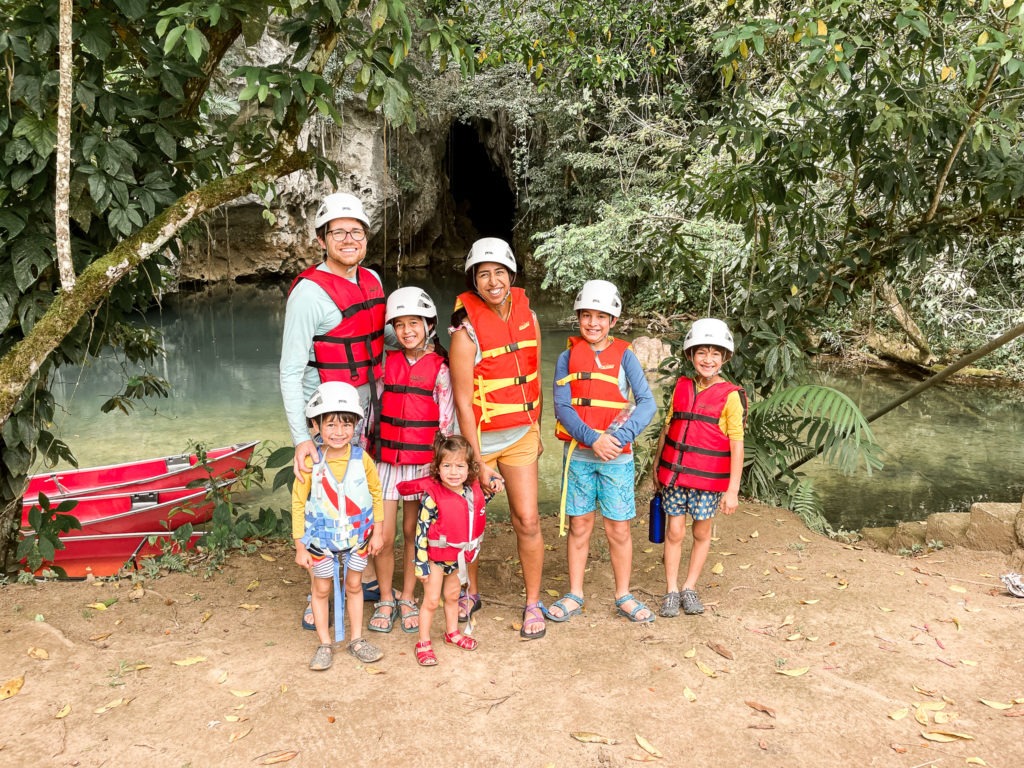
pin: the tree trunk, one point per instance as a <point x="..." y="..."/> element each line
<point x="63" y="192"/>
<point x="906" y="322"/>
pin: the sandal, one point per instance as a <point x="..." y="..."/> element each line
<point x="566" y="613"/>
<point x="413" y="613"/>
<point x="670" y="605"/>
<point x="425" y="655"/>
<point x="378" y="615"/>
<point x="307" y="615"/>
<point x="631" y="615"/>
<point x="691" y="603"/>
<point x="365" y="651"/>
<point x="469" y="603"/>
<point x="322" y="659"/>
<point x="533" y="613"/>
<point x="465" y="642"/>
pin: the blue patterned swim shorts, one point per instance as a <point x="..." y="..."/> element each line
<point x="700" y="505"/>
<point x="594" y="483"/>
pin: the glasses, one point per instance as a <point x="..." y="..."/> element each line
<point x="338" y="235"/>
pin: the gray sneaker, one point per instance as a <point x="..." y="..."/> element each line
<point x="691" y="603"/>
<point x="365" y="651"/>
<point x="322" y="659"/>
<point x="670" y="605"/>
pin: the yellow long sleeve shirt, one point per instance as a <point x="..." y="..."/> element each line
<point x="301" y="488"/>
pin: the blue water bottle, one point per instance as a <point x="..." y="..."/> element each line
<point x="656" y="532"/>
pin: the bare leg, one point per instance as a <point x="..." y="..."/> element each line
<point x="431" y="599"/>
<point x="521" y="487"/>
<point x="675" y="533"/>
<point x="699" y="553"/>
<point x="321" y="595"/>
<point x="577" y="551"/>
<point x="354" y="602"/>
<point x="384" y="561"/>
<point x="620" y="549"/>
<point x="451" y="588"/>
<point x="410" y="508"/>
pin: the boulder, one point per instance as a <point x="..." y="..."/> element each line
<point x="650" y="351"/>
<point x="909" y="535"/>
<point x="992" y="527"/>
<point x="877" y="538"/>
<point x="948" y="527"/>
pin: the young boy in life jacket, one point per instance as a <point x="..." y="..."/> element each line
<point x="416" y="405"/>
<point x="593" y="380"/>
<point x="700" y="458"/>
<point x="337" y="508"/>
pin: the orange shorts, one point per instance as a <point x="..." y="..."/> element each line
<point x="521" y="453"/>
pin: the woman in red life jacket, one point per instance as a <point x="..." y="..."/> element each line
<point x="700" y="458"/>
<point x="494" y="359"/>
<point x="448" y="536"/>
<point x="415" y="406"/>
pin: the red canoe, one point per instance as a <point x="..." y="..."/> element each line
<point x="107" y="554"/>
<point x="145" y="475"/>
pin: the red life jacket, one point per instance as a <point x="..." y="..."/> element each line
<point x="595" y="391"/>
<point x="456" y="533"/>
<point x="409" y="417"/>
<point x="353" y="350"/>
<point x="696" y="452"/>
<point x="506" y="383"/>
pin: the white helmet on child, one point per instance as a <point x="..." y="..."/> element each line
<point x="334" y="397"/>
<point x="599" y="295"/>
<point x="709" y="331"/>
<point x="491" y="249"/>
<point x="340" y="205"/>
<point x="410" y="301"/>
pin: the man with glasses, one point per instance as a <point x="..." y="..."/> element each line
<point x="334" y="322"/>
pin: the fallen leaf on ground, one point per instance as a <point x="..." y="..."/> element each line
<point x="252" y="585"/>
<point x="11" y="687"/>
<point x="786" y="621"/>
<point x="241" y="694"/>
<point x="794" y="636"/>
<point x="189" y="661"/>
<point x="766" y="595"/>
<point x="63" y="712"/>
<point x="588" y="737"/>
<point x="809" y="602"/>
<point x="921" y="716"/>
<point x="239" y="735"/>
<point x="97" y="606"/>
<point x="721" y="650"/>
<point x="646" y="746"/>
<point x="744" y="566"/>
<point x="899" y="714"/>
<point x="804" y="539"/>
<point x="975" y="761"/>
<point x="38" y="653"/>
<point x="706" y="669"/>
<point x="717" y="568"/>
<point x="103" y="636"/>
<point x="112" y="705"/>
<point x="205" y="617"/>
<point x="925" y="691"/>
<point x="272" y="758"/>
<point x="754" y="534"/>
<point x="690" y="653"/>
<point x="375" y="671"/>
<point x="760" y="708"/>
<point x="957" y="588"/>
<point x="946" y="736"/>
<point x="553" y="592"/>
<point x="643" y="757"/>
<point x="689" y="695"/>
<point x="995" y="704"/>
<point x="968" y="663"/>
<point x="249" y="606"/>
<point x="793" y="672"/>
<point x="883" y="609"/>
<point x="268" y="558"/>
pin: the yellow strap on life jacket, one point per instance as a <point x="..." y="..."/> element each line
<point x="565" y="487"/>
<point x="486" y="386"/>
<point x="504" y="350"/>
<point x="588" y="375"/>
<point x="488" y="409"/>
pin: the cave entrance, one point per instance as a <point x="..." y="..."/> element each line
<point x="483" y="201"/>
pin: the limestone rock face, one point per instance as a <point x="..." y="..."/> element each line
<point x="992" y="527"/>
<point x="948" y="527"/>
<point x="908" y="535"/>
<point x="650" y="351"/>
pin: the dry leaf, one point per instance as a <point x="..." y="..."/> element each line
<point x="38" y="653"/>
<point x="690" y="653"/>
<point x="97" y="638"/>
<point x="592" y="738"/>
<point x="956" y="623"/>
<point x="925" y="691"/>
<point x="249" y="606"/>
<point x="717" y="568"/>
<point x="975" y="761"/>
<point x="252" y="585"/>
<point x="754" y="534"/>
<point x="995" y="704"/>
<point x="721" y="650"/>
<point x="232" y="718"/>
<point x="11" y="687"/>
<point x="883" y="609"/>
<point x="268" y="558"/>
<point x="273" y="758"/>
<point x="932" y="706"/>
<point x="97" y="606"/>
<point x="809" y="602"/>
<point x="646" y="746"/>
<point x="957" y="588"/>
<point x="921" y="716"/>
<point x="241" y="694"/>
<point x="794" y="636"/>
<point x="374" y="671"/>
<point x="688" y="694"/>
<point x="648" y="550"/>
<point x="786" y="621"/>
<point x="766" y="596"/>
<point x="898" y="749"/>
<point x="113" y="704"/>
<point x="643" y="757"/>
<point x="706" y="669"/>
<point x="968" y="663"/>
<point x="239" y="735"/>
<point x="223" y="678"/>
<point x="744" y="566"/>
<point x="189" y="661"/>
<point x="941" y="718"/>
<point x="205" y="617"/>
<point x="899" y="714"/>
<point x="63" y="712"/>
<point x="946" y="736"/>
<point x="793" y="672"/>
<point x="760" y="708"/>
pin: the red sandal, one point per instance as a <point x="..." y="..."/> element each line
<point x="464" y="642"/>
<point x="425" y="655"/>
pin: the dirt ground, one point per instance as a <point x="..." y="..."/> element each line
<point x="810" y="653"/>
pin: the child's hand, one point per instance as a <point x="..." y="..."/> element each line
<point x="730" y="501"/>
<point x="606" y="447"/>
<point x="491" y="481"/>
<point x="302" y="557"/>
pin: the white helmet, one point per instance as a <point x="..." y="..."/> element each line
<point x="340" y="205"/>
<point x="709" y="330"/>
<point x="334" y="397"/>
<point x="491" y="249"/>
<point x="410" y="301"/>
<point x="599" y="295"/>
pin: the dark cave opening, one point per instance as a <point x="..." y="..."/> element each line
<point x="483" y="201"/>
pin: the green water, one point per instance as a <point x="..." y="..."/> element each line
<point x="944" y="450"/>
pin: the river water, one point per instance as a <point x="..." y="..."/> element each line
<point x="945" y="449"/>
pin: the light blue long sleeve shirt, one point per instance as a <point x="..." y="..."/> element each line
<point x="631" y="379"/>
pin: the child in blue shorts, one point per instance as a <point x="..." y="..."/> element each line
<point x="700" y="458"/>
<point x="593" y="380"/>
